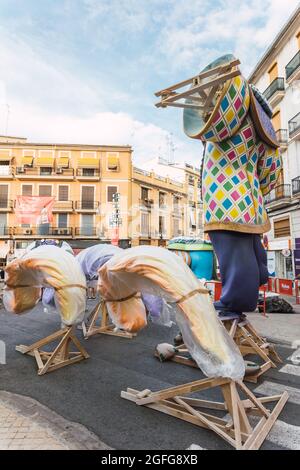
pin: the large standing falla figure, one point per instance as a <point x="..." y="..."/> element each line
<point x="241" y="164"/>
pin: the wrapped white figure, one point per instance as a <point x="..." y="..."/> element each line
<point x="46" y="266"/>
<point x="160" y="272"/>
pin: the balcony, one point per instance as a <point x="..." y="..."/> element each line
<point x="275" y="91"/>
<point x="282" y="137"/>
<point x="86" y="206"/>
<point x="43" y="232"/>
<point x="86" y="231"/>
<point x="292" y="69"/>
<point x="6" y="205"/>
<point x="296" y="186"/>
<point x="88" y="174"/>
<point x="63" y="206"/>
<point x="146" y="203"/>
<point x="6" y="172"/>
<point x="64" y="173"/>
<point x="294" y="127"/>
<point x="23" y="172"/>
<point x="280" y="196"/>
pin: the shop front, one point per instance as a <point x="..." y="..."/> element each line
<point x="280" y="259"/>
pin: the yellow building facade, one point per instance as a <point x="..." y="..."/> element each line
<point x="83" y="179"/>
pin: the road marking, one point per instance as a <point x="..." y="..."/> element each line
<point x="295" y="357"/>
<point x="271" y="388"/>
<point x="290" y="369"/>
<point x="195" y="447"/>
<point x="285" y="435"/>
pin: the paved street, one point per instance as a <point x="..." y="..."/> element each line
<point x="89" y="392"/>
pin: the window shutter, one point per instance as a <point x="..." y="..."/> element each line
<point x="27" y="190"/>
<point x="111" y="190"/>
<point x="282" y="228"/>
<point x="63" y="193"/>
<point x="45" y="190"/>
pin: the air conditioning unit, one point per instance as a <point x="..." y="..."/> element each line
<point x="21" y="169"/>
<point x="28" y="231"/>
<point x="59" y="170"/>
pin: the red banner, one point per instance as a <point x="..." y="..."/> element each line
<point x="34" y="210"/>
<point x="285" y="286"/>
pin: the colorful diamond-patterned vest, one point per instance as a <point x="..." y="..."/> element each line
<point x="238" y="168"/>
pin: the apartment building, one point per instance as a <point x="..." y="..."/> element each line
<point x="277" y="75"/>
<point x="83" y="179"/>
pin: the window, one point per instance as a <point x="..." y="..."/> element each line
<point x="276" y="121"/>
<point x="45" y="190"/>
<point x="144" y="193"/>
<point x="111" y="190"/>
<point x="176" y="227"/>
<point x="191" y="180"/>
<point x="27" y="190"/>
<point x="87" y="197"/>
<point x="176" y="203"/>
<point x="3" y="195"/>
<point x="3" y="222"/>
<point x="282" y="228"/>
<point x="88" y="171"/>
<point x="161" y="225"/>
<point x="63" y="193"/>
<point x="298" y="39"/>
<point x="62" y="220"/>
<point x="273" y="72"/>
<point x="162" y="199"/>
<point x="145" y="224"/>
<point x="45" y="170"/>
<point x="87" y="224"/>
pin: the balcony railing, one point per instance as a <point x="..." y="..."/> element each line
<point x="146" y="203"/>
<point x="63" y="206"/>
<point x="293" y="65"/>
<point x="43" y="230"/>
<point x="296" y="186"/>
<point x="36" y="171"/>
<point x="6" y="204"/>
<point x="64" y="172"/>
<point x="282" y="191"/>
<point x="87" y="231"/>
<point x="6" y="171"/>
<point x="86" y="205"/>
<point x="5" y="231"/>
<point x="88" y="173"/>
<point x="282" y="136"/>
<point x="294" y="125"/>
<point x="276" y="85"/>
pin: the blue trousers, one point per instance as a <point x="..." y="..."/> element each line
<point x="243" y="268"/>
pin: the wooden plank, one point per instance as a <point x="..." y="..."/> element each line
<point x="182" y="390"/>
<point x="253" y="398"/>
<point x="41" y="342"/>
<point x="214" y="405"/>
<point x="254" y="378"/>
<point x="235" y="416"/>
<point x="260" y="435"/>
<point x="202" y="86"/>
<point x="56" y="350"/>
<point x="38" y="359"/>
<point x="79" y="346"/>
<point x="200" y="76"/>
<point x="67" y="362"/>
<point x="178" y="105"/>
<point x="206" y="421"/>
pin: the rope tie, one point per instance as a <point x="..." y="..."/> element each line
<point x="200" y="290"/>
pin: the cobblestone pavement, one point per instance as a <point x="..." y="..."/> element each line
<point x="26" y="424"/>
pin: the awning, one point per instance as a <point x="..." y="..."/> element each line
<point x="113" y="162"/>
<point x="63" y="162"/>
<point x="27" y="160"/>
<point x="4" y="249"/>
<point x="4" y="155"/>
<point x="88" y="162"/>
<point x="44" y="161"/>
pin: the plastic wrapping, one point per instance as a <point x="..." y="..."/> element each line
<point x="46" y="266"/>
<point x="92" y="258"/>
<point x="162" y="273"/>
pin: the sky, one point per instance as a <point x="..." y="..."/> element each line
<point x="85" y="71"/>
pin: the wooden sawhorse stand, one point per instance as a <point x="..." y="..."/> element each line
<point x="61" y="356"/>
<point x="237" y="430"/>
<point x="105" y="327"/>
<point x="248" y="342"/>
